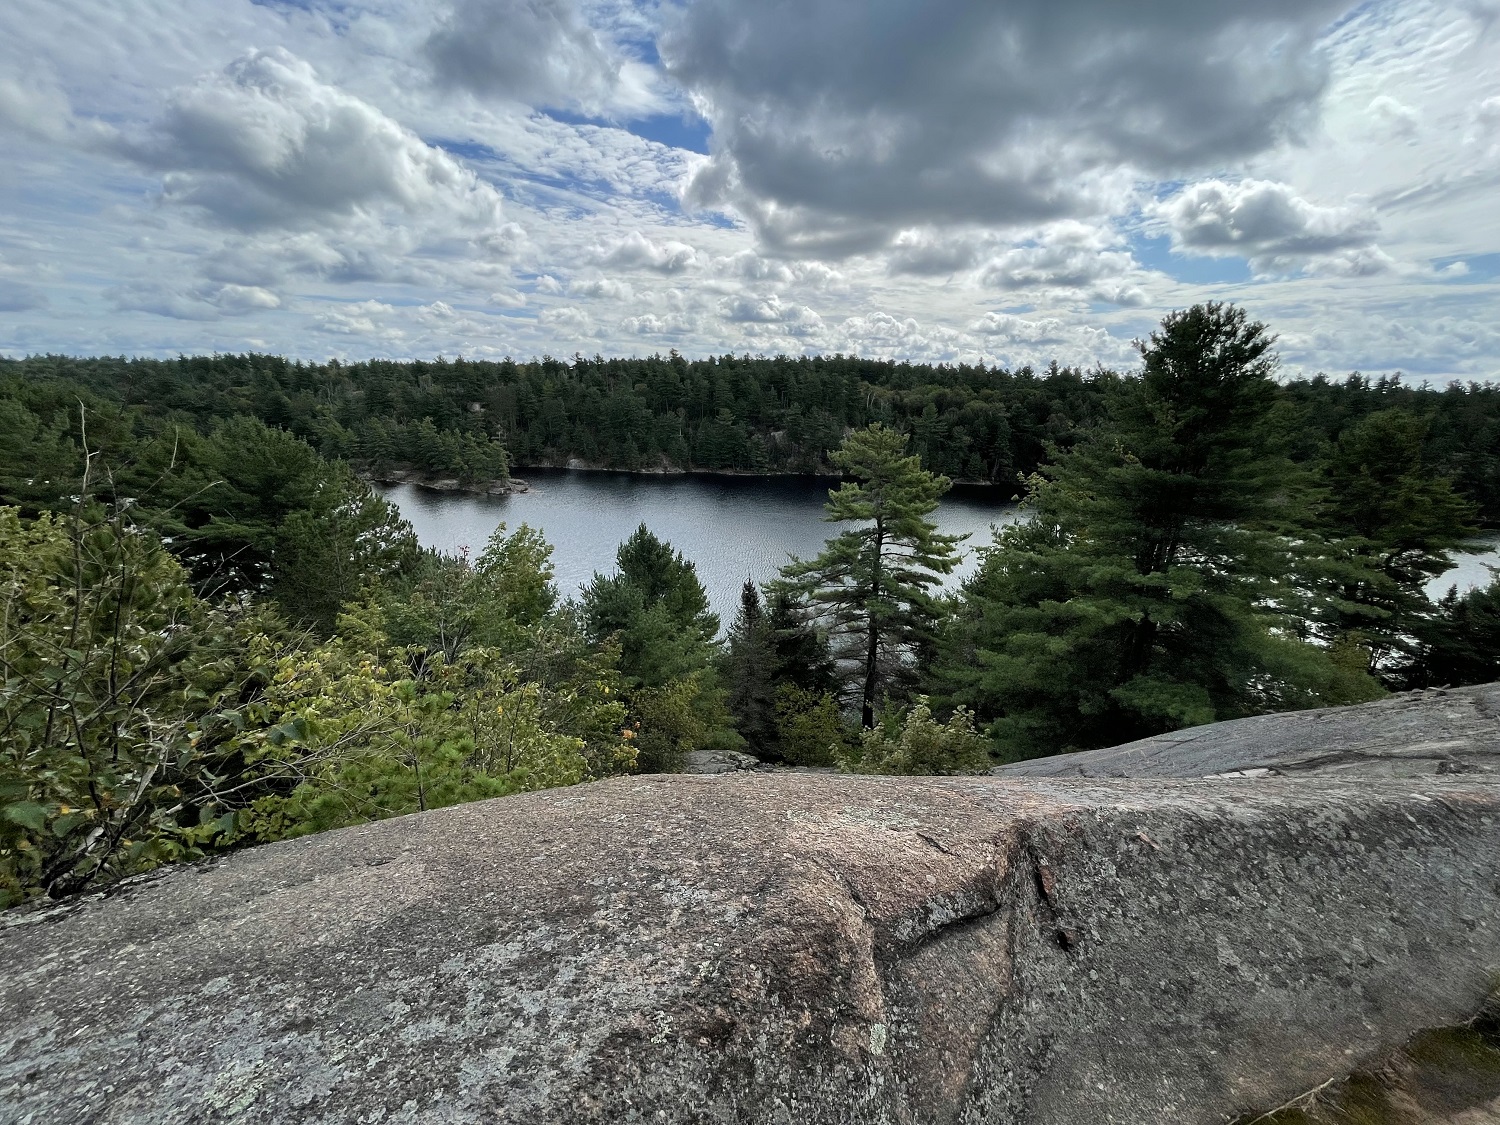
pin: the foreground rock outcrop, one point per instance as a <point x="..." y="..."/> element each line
<point x="775" y="948"/>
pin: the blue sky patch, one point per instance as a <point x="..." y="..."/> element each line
<point x="1481" y="267"/>
<point x="1156" y="253"/>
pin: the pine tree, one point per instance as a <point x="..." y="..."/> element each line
<point x="1149" y="591"/>
<point x="799" y="650"/>
<point x="869" y="588"/>
<point x="1461" y="642"/>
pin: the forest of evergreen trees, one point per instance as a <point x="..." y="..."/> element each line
<point x="214" y="633"/>
<point x="473" y="419"/>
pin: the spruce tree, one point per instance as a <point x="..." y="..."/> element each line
<point x="869" y="589"/>
<point x="749" y="665"/>
<point x="1391" y="521"/>
<point x="657" y="608"/>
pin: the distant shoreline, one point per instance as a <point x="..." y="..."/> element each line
<point x="577" y="465"/>
<point x="512" y="486"/>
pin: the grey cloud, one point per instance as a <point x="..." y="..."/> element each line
<point x="266" y="143"/>
<point x="568" y="319"/>
<point x="267" y="259"/>
<point x="649" y="324"/>
<point x="833" y="130"/>
<point x="1487" y="115"/>
<point x="1038" y="330"/>
<point x="370" y="320"/>
<point x="32" y="104"/>
<point x="757" y="313"/>
<point x="747" y="308"/>
<point x="35" y="108"/>
<point x="607" y="288"/>
<point x="1263" y="220"/>
<point x="1070" y="256"/>
<point x="750" y="266"/>
<point x="882" y="334"/>
<point x="202" y="302"/>
<point x="17" y="296"/>
<point x="1362" y="261"/>
<point x="1394" y="117"/>
<point x="925" y="253"/>
<point x="540" y="52"/>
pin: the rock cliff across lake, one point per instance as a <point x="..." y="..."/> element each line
<point x="776" y="948"/>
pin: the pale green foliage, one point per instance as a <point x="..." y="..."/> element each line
<point x="920" y="745"/>
<point x="113" y="684"/>
<point x="381" y="743"/>
<point x="449" y="603"/>
<point x="138" y="725"/>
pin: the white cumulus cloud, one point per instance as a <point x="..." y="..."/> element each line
<point x="1262" y="220"/>
<point x="266" y="143"/>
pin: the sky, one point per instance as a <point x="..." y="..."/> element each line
<point x="1006" y="181"/>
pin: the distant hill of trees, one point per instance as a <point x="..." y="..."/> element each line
<point x="475" y="420"/>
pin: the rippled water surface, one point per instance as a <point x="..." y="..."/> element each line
<point x="732" y="528"/>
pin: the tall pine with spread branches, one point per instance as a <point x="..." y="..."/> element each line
<point x="870" y="588"/>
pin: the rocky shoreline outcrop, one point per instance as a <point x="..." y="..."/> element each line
<point x="777" y="948"/>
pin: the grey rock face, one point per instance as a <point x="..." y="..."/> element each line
<point x="719" y="761"/>
<point x="772" y="948"/>
<point x="1415" y="734"/>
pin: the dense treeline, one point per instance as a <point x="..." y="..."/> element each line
<point x="213" y="633"/>
<point x="472" y="419"/>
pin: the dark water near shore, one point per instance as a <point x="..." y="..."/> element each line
<point x="732" y="528"/>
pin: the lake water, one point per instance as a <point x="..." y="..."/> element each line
<point x="732" y="528"/>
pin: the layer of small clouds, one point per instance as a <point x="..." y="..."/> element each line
<point x="201" y="302"/>
<point x="1069" y="256"/>
<point x="17" y="296"/>
<point x="637" y="252"/>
